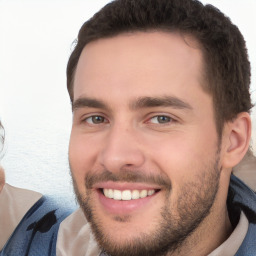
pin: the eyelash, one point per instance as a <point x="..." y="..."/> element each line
<point x="95" y="116"/>
<point x="167" y="120"/>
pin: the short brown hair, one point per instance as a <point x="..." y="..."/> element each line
<point x="227" y="68"/>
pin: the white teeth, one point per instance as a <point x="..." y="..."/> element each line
<point x="117" y="194"/>
<point x="151" y="192"/>
<point x="127" y="194"/>
<point x="108" y="193"/>
<point x="135" y="194"/>
<point x="143" y="193"/>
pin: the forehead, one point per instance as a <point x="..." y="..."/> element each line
<point x="139" y="64"/>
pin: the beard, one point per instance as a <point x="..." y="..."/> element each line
<point x="173" y="228"/>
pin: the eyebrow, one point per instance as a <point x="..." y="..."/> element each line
<point x="142" y="102"/>
<point x="166" y="101"/>
<point x="89" y="103"/>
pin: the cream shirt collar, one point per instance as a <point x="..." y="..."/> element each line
<point x="14" y="204"/>
<point x="232" y="244"/>
<point x="75" y="238"/>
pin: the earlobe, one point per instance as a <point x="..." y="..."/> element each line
<point x="237" y="137"/>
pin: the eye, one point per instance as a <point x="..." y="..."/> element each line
<point x="95" y="120"/>
<point x="160" y="119"/>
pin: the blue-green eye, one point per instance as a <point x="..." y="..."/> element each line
<point x="95" y="120"/>
<point x="161" y="119"/>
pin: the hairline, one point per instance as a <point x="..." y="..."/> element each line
<point x="184" y="35"/>
<point x="206" y="79"/>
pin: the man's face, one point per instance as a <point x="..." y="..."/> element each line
<point x="144" y="151"/>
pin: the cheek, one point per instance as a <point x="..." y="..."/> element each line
<point x="82" y="156"/>
<point x="183" y="156"/>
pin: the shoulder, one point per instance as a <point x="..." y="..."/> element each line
<point x="242" y="198"/>
<point x="76" y="227"/>
<point x="14" y="204"/>
<point x="246" y="170"/>
<point x="36" y="232"/>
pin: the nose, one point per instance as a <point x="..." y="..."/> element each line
<point x="121" y="149"/>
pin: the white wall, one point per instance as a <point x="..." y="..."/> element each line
<point x="35" y="42"/>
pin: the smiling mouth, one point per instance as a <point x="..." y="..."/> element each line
<point x="127" y="195"/>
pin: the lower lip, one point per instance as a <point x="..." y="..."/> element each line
<point x="123" y="207"/>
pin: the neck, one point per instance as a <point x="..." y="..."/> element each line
<point x="211" y="233"/>
<point x="206" y="238"/>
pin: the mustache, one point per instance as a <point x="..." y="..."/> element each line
<point x="93" y="178"/>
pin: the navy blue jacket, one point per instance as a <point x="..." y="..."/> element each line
<point x="241" y="197"/>
<point x="36" y="234"/>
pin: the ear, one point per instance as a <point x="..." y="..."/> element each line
<point x="236" y="139"/>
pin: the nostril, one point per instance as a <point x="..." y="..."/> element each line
<point x="117" y="155"/>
